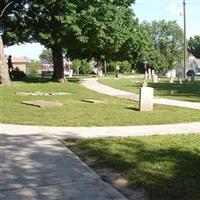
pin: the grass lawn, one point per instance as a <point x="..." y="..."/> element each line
<point x="188" y="91"/>
<point x="166" y="166"/>
<point x="74" y="112"/>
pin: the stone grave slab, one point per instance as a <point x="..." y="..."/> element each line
<point x="42" y="103"/>
<point x="92" y="101"/>
<point x="39" y="93"/>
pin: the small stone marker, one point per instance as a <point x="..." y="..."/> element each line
<point x="70" y="73"/>
<point x="146" y="99"/>
<point x="149" y="73"/>
<point x="146" y="75"/>
<point x="42" y="103"/>
<point x="171" y="80"/>
<point x="155" y="78"/>
<point x="92" y="101"/>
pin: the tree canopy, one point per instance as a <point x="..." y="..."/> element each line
<point x="167" y="37"/>
<point x="87" y="28"/>
<point x="194" y="46"/>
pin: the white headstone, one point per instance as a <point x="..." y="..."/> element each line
<point x="149" y="73"/>
<point x="70" y="73"/>
<point x="155" y="78"/>
<point x="173" y="73"/>
<point x="146" y="75"/>
<point x="153" y="72"/>
<point x="146" y="99"/>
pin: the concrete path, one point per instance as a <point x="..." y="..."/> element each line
<point x="34" y="166"/>
<point x="92" y="84"/>
<point x="94" y="132"/>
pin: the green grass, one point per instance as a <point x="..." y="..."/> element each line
<point x="188" y="91"/>
<point x="166" y="166"/>
<point x="74" y="112"/>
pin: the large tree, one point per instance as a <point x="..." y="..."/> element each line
<point x="7" y="7"/>
<point x="194" y="46"/>
<point x="72" y="25"/>
<point x="167" y="37"/>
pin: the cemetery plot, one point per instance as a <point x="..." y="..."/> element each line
<point x="42" y="103"/>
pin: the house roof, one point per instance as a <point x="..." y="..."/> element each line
<point x="23" y="59"/>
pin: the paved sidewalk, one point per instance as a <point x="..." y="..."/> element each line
<point x="107" y="131"/>
<point x="36" y="167"/>
<point x="92" y="84"/>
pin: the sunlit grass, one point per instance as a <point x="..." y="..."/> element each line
<point x="75" y="112"/>
<point x="188" y="91"/>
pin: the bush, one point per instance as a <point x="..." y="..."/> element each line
<point x="33" y="67"/>
<point x="124" y="67"/>
<point x="81" y="66"/>
<point x="17" y="75"/>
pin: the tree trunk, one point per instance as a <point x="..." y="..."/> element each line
<point x="58" y="73"/>
<point x="4" y="75"/>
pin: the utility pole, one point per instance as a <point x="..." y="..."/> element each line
<point x="185" y="43"/>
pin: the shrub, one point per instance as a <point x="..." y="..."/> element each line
<point x="81" y="66"/>
<point x="124" y="66"/>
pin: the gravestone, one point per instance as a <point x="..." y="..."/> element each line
<point x="92" y="101"/>
<point x="70" y="73"/>
<point x="39" y="93"/>
<point x="42" y="103"/>
<point x="146" y="99"/>
<point x="149" y="73"/>
<point x="146" y="75"/>
<point x="155" y="78"/>
<point x="153" y="72"/>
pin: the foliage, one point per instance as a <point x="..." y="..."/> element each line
<point x="33" y="67"/>
<point x="75" y="112"/>
<point x="17" y="75"/>
<point x="82" y="66"/>
<point x="167" y="38"/>
<point x="124" y="66"/>
<point x="167" y="167"/>
<point x="86" y="29"/>
<point x="46" y="55"/>
<point x="194" y="46"/>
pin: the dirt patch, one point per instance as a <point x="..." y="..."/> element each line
<point x="121" y="183"/>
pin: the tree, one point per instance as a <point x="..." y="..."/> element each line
<point x="194" y="46"/>
<point x="167" y="38"/>
<point x="69" y="24"/>
<point x="4" y="75"/>
<point x="33" y="67"/>
<point x="46" y="55"/>
<point x="6" y="7"/>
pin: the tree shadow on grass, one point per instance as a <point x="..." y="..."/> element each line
<point x="37" y="80"/>
<point x="166" y="173"/>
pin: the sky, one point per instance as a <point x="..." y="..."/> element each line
<point x="148" y="10"/>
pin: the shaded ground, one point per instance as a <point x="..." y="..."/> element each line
<point x="166" y="166"/>
<point x="39" y="168"/>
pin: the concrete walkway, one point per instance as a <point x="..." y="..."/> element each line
<point x="92" y="84"/>
<point x="34" y="166"/>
